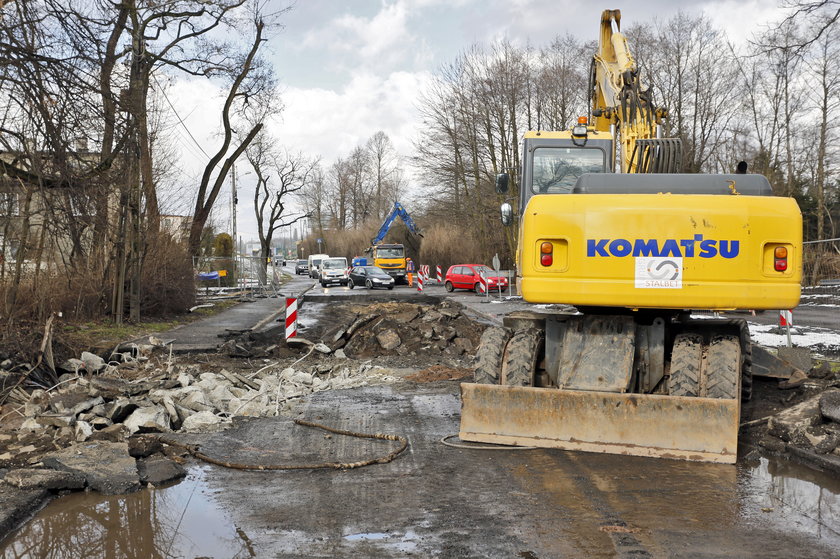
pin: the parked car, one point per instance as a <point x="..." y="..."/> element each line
<point x="466" y="276"/>
<point x="333" y="270"/>
<point x="370" y="277"/>
<point x="302" y="267"/>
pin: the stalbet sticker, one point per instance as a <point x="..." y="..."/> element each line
<point x="659" y="273"/>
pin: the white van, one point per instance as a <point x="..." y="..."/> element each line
<point x="315" y="264"/>
<point x="334" y="270"/>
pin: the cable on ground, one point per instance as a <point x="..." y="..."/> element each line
<point x="194" y="451"/>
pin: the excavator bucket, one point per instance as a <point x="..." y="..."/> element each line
<point x="699" y="429"/>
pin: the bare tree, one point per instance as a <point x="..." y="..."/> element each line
<point x="280" y="174"/>
<point x="249" y="83"/>
<point x="383" y="163"/>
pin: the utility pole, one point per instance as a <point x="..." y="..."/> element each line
<point x="233" y="202"/>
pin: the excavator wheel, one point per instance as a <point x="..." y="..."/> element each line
<point x="724" y="364"/>
<point x="686" y="361"/>
<point x="524" y="352"/>
<point x="491" y="353"/>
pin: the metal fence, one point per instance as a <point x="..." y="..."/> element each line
<point x="821" y="261"/>
<point x="237" y="275"/>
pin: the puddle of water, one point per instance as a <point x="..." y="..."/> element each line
<point x="792" y="497"/>
<point x="182" y="520"/>
<point x="185" y="520"/>
<point x="368" y="536"/>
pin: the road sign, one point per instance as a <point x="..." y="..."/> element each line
<point x="496" y="262"/>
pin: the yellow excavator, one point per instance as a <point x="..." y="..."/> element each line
<point x="635" y="250"/>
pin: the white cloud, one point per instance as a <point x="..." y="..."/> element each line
<point x="332" y="123"/>
<point x="386" y="34"/>
<point x="744" y="20"/>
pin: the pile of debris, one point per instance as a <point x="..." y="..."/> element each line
<point x="800" y="415"/>
<point x="429" y="333"/>
<point x="90" y="427"/>
<point x="103" y="407"/>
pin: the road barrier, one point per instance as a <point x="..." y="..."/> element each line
<point x="420" y="281"/>
<point x="291" y="317"/>
<point x="786" y="321"/>
<point x="439" y="275"/>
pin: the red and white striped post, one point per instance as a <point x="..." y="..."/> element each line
<point x="420" y="280"/>
<point x="291" y="317"/>
<point x="439" y="274"/>
<point x="786" y="321"/>
<point x="482" y="283"/>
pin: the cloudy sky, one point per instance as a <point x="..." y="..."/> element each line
<point x="349" y="68"/>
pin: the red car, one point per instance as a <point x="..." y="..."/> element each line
<point x="466" y="276"/>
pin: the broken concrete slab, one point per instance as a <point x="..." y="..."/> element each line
<point x="201" y="422"/>
<point x="83" y="431"/>
<point x="115" y="433"/>
<point x="322" y="348"/>
<point x="16" y="505"/>
<point x="107" y="467"/>
<point x="151" y="419"/>
<point x="792" y="424"/>
<point x="158" y="469"/>
<point x="55" y="480"/>
<point x="799" y="357"/>
<point x="830" y="405"/>
<point x="56" y="420"/>
<point x="146" y="444"/>
<point x="93" y="363"/>
<point x="120" y="409"/>
<point x="86" y="405"/>
<point x="113" y="387"/>
<point x="388" y="340"/>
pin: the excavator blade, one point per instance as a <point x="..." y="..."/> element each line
<point x="699" y="429"/>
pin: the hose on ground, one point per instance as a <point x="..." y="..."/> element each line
<point x="194" y="451"/>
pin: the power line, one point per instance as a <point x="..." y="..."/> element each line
<point x="179" y="117"/>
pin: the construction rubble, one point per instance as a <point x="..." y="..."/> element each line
<point x="99" y="426"/>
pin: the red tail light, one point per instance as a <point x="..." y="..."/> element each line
<point x="546" y="254"/>
<point x="780" y="263"/>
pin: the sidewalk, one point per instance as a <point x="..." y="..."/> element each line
<point x="204" y="335"/>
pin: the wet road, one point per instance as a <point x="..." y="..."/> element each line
<point x="438" y="501"/>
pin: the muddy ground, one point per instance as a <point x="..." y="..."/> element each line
<point x="118" y="410"/>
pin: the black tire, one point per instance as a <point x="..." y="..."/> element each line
<point x="686" y="362"/>
<point x="490" y="355"/>
<point x="390" y="287"/>
<point x="477" y="288"/>
<point x="323" y="284"/>
<point x="449" y="287"/>
<point x="524" y="352"/>
<point x="723" y="367"/>
<point x="369" y="284"/>
<point x="350" y="284"/>
<point x="746" y="372"/>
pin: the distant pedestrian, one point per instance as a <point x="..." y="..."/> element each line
<point x="409" y="271"/>
<point x="741" y="169"/>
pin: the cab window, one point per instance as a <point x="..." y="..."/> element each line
<point x="556" y="169"/>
